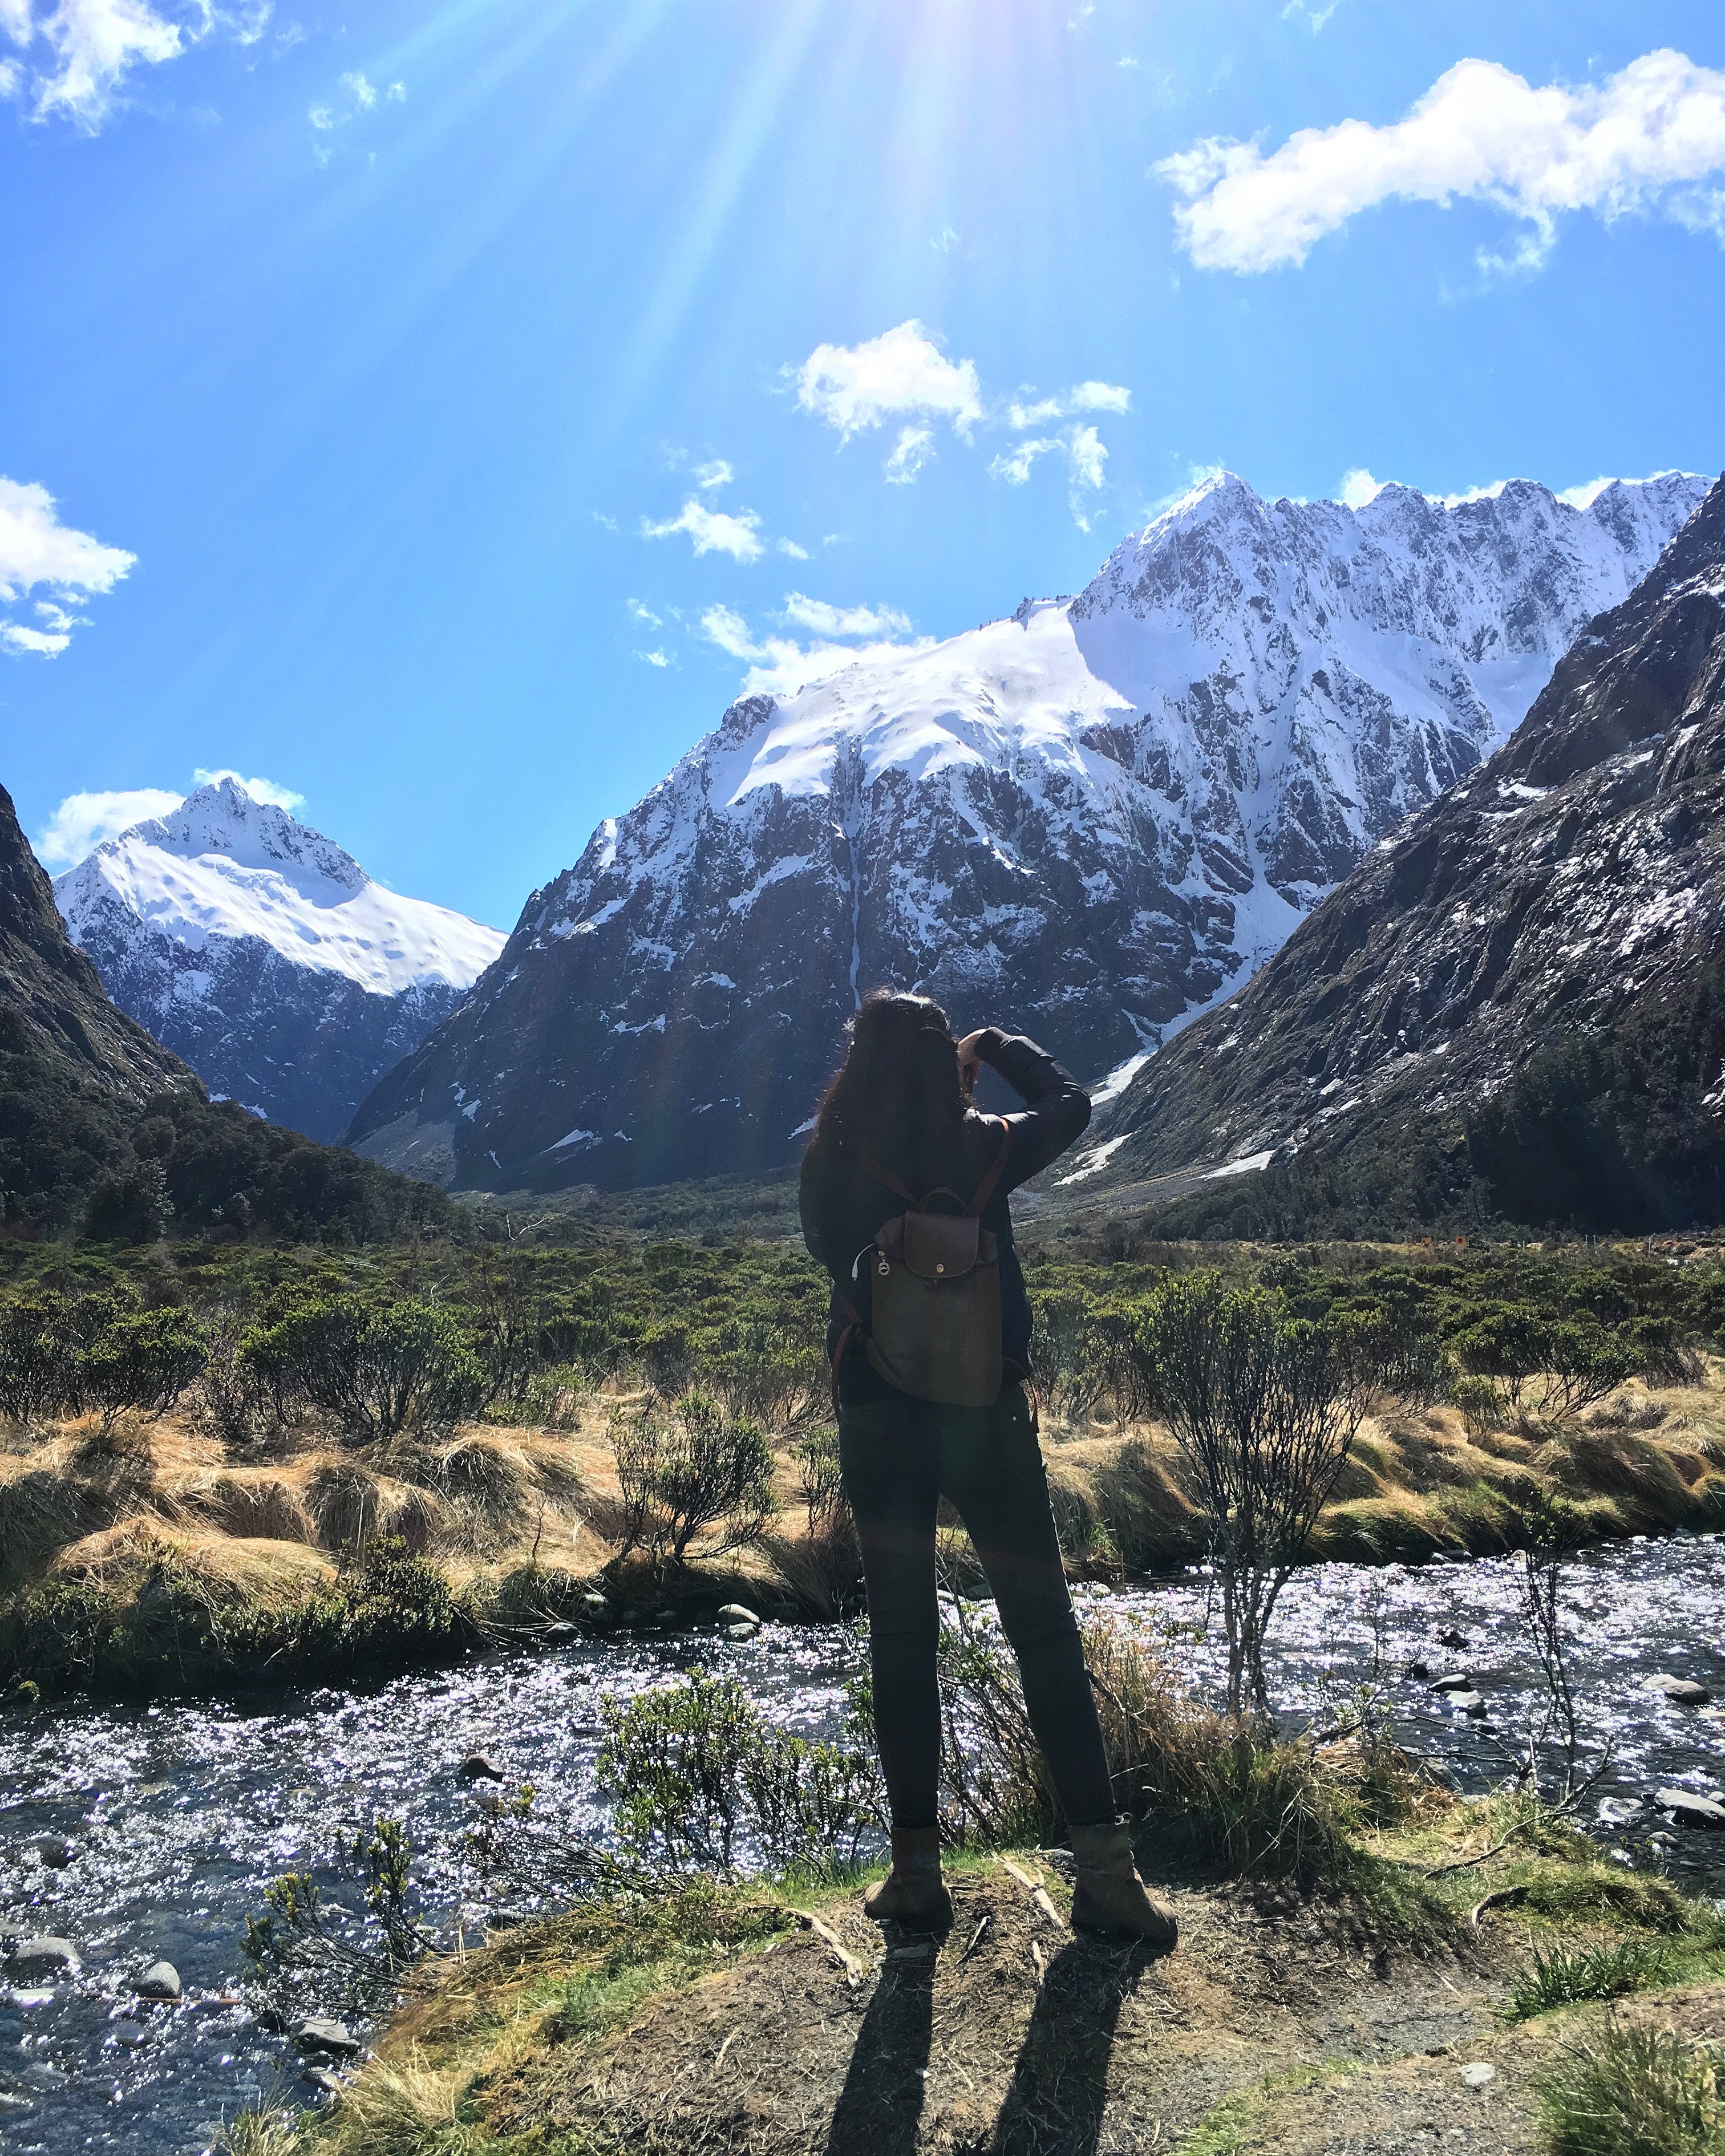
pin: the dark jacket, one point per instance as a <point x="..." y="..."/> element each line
<point x="842" y="1206"/>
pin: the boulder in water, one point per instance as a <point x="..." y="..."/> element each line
<point x="477" y="1767"/>
<point x="1681" y="1691"/>
<point x="322" y="2034"/>
<point x="1688" y="1809"/>
<point x="1455" y="1680"/>
<point x="55" y="1960"/>
<point x="160" y="1981"/>
<point x="738" y="1613"/>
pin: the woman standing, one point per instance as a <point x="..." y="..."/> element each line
<point x="915" y="1424"/>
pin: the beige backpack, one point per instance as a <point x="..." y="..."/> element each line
<point x="935" y="1287"/>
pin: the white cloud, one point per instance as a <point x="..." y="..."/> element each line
<point x="84" y="820"/>
<point x="1035" y="415"/>
<point x="264" y="790"/>
<point x="397" y="93"/>
<point x="913" y="449"/>
<point x="606" y="523"/>
<point x="91" y="46"/>
<point x="790" y="546"/>
<point x="321" y="117"/>
<point x="654" y="658"/>
<point x="39" y="553"/>
<point x="1100" y="397"/>
<point x="1086" y="454"/>
<point x="359" y="89"/>
<point x="1357" y="488"/>
<point x="1586" y="494"/>
<point x="827" y="620"/>
<point x="1313" y="16"/>
<point x="902" y="371"/>
<point x="711" y="531"/>
<point x="1013" y="464"/>
<point x="1647" y="137"/>
<point x="642" y="611"/>
<point x="778" y="665"/>
<point x="1127" y="60"/>
<point x="946" y="240"/>
<point x="718" y="473"/>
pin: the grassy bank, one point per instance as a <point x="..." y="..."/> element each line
<point x="770" y="2018"/>
<point x="157" y="1553"/>
<point x="225" y="1463"/>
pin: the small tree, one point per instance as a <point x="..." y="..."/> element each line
<point x="37" y="1359"/>
<point x="1261" y="1407"/>
<point x="145" y="1359"/>
<point x="697" y="1469"/>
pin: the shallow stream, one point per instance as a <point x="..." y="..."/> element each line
<point x="179" y="1814"/>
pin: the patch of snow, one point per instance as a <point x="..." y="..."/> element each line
<point x="573" y="1138"/>
<point x="1093" y="1161"/>
<point x="1117" y="1079"/>
<point x="1248" y="1163"/>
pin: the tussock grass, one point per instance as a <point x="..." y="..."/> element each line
<point x="1634" y="2092"/>
<point x="1569" y="1975"/>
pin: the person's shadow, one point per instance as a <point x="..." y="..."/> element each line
<point x="1059" y="2080"/>
<point x="881" y="2104"/>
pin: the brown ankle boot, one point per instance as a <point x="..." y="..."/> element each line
<point x="1109" y="1896"/>
<point x="912" y="1892"/>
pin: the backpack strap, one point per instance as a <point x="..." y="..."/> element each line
<point x="985" y="1188"/>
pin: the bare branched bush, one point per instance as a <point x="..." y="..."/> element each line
<point x="1264" y="1412"/>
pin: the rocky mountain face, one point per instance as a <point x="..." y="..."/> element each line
<point x="52" y="1006"/>
<point x="1090" y="820"/>
<point x="266" y="956"/>
<point x="1525" y="979"/>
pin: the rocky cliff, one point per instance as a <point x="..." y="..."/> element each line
<point x="1523" y="983"/>
<point x="1092" y="819"/>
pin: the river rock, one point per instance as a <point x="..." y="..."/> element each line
<point x="1455" y="1680"/>
<point x="477" y="1767"/>
<point x="739" y="1632"/>
<point x="322" y="2034"/>
<point x="1452" y="1639"/>
<point x="738" y="1613"/>
<point x="1618" y="1811"/>
<point x="55" y="1959"/>
<point x="327" y="2084"/>
<point x="160" y="1981"/>
<point x="50" y="1850"/>
<point x="1419" y="1672"/>
<point x="1467" y="1702"/>
<point x="1688" y="1809"/>
<point x="1478" y="2074"/>
<point x="1681" y="1691"/>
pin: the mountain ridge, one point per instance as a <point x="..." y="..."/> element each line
<point x="1497" y="980"/>
<point x="1092" y="818"/>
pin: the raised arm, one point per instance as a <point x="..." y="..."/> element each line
<point x="1056" y="1108"/>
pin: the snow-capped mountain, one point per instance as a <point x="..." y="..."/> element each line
<point x="1092" y="819"/>
<point x="266" y="956"/>
<point x="1563" y="909"/>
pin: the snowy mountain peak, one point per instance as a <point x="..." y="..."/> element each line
<point x="223" y="866"/>
<point x="1090" y="819"/>
<point x="223" y="818"/>
<point x="264" y="954"/>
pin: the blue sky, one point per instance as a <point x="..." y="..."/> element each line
<point x="482" y="391"/>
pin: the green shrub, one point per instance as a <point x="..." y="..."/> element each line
<point x="696" y="1770"/>
<point x="688" y="1469"/>
<point x="380" y="1365"/>
<point x="144" y="1360"/>
<point x="37" y="1358"/>
<point x="1634" y="2092"/>
<point x="1483" y="1406"/>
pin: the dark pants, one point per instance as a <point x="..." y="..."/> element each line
<point x="900" y="1457"/>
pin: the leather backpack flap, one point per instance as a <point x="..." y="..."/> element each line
<point x="942" y="1245"/>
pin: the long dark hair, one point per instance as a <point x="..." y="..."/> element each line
<point x="900" y="1098"/>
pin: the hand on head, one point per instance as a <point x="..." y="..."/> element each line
<point x="968" y="1057"/>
